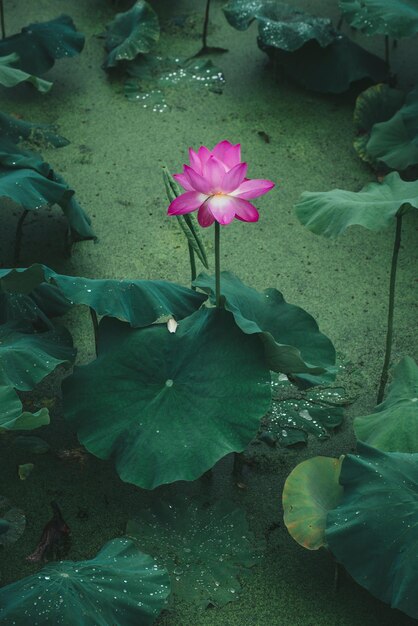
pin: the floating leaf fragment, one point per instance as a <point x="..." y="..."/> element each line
<point x="25" y="470"/>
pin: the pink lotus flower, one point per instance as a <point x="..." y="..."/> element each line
<point x="216" y="186"/>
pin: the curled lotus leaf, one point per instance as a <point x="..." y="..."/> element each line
<point x="374" y="207"/>
<point x="120" y="585"/>
<point x="27" y="357"/>
<point x="306" y="48"/>
<point x="396" y="18"/>
<point x="291" y="337"/>
<point x="394" y="142"/>
<point x="131" y="33"/>
<point x="140" y="302"/>
<point x="167" y="406"/>
<point x="11" y="76"/>
<point x="333" y="69"/>
<point x="205" y="546"/>
<point x="373" y="531"/>
<point x="12" y="416"/>
<point x="12" y="523"/>
<point x="279" y="24"/>
<point x="38" y="291"/>
<point x="393" y="425"/>
<point x="310" y="491"/>
<point x="17" y="130"/>
<point x="39" y="45"/>
<point x="376" y="104"/>
<point x="32" y="190"/>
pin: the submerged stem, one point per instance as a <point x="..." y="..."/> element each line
<point x="18" y="238"/>
<point x="218" y="264"/>
<point x="391" y="308"/>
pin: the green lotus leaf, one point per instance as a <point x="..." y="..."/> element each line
<point x="373" y="532"/>
<point x="39" y="45"/>
<point x="12" y="523"/>
<point x="26" y="358"/>
<point x="139" y="302"/>
<point x="121" y="585"/>
<point x="333" y="69"/>
<point x="31" y="444"/>
<point x="206" y="546"/>
<point x="374" y="207"/>
<point x="393" y="425"/>
<point x="396" y="18"/>
<point x="376" y="104"/>
<point x="279" y="24"/>
<point x="310" y="491"/>
<point x="11" y="76"/>
<point x="295" y="414"/>
<point x="395" y="142"/>
<point x="13" y="156"/>
<point x="131" y="33"/>
<point x="306" y="48"/>
<point x="291" y="338"/>
<point x="167" y="406"/>
<point x="22" y="280"/>
<point x="25" y="296"/>
<point x="13" y="418"/>
<point x="17" y="130"/>
<point x="32" y="191"/>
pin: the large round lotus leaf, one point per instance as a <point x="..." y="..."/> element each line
<point x="205" y="546"/>
<point x="292" y="340"/>
<point x="393" y="426"/>
<point x="396" y="18"/>
<point x="310" y="491"/>
<point x="328" y="70"/>
<point x="131" y="33"/>
<point x="11" y="76"/>
<point x="139" y="302"/>
<point x="119" y="586"/>
<point x="280" y="25"/>
<point x="12" y="523"/>
<point x="13" y="418"/>
<point x="374" y="207"/>
<point x="167" y="406"/>
<point x="39" y="44"/>
<point x="374" y="530"/>
<point x="26" y="358"/>
<point x="395" y="141"/>
<point x="376" y="104"/>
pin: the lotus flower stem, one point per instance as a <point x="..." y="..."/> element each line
<point x="205" y="26"/>
<point x="18" y="238"/>
<point x="389" y="332"/>
<point x="3" y="30"/>
<point x="218" y="264"/>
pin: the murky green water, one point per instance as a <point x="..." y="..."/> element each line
<point x="114" y="163"/>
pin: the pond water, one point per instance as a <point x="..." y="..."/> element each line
<point x="301" y="141"/>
